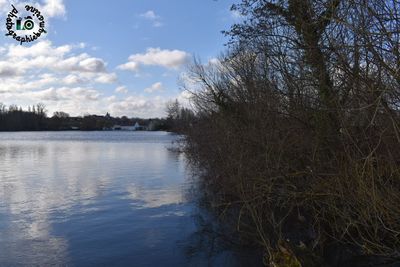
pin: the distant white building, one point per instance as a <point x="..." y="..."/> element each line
<point x="135" y="127"/>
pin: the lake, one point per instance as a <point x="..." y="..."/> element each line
<point x="97" y="199"/>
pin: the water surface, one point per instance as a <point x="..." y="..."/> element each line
<point x="93" y="198"/>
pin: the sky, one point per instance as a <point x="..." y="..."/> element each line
<point x="125" y="57"/>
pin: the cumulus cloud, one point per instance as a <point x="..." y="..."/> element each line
<point x="73" y="100"/>
<point x="139" y="106"/>
<point x="53" y="8"/>
<point x="121" y="89"/>
<point x="73" y="79"/>
<point x="153" y="17"/>
<point x="154" y="88"/>
<point x="92" y="65"/>
<point x="49" y="8"/>
<point x="80" y="100"/>
<point x="44" y="56"/>
<point x="107" y="78"/>
<point x="65" y="93"/>
<point x="170" y="59"/>
<point x="132" y="66"/>
<point x="43" y="48"/>
<point x="82" y="78"/>
<point x="149" y="15"/>
<point x="184" y="98"/>
<point x="68" y="78"/>
<point x="4" y="4"/>
<point x="42" y="72"/>
<point x="6" y="70"/>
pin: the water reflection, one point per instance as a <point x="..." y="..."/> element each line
<point x="88" y="199"/>
<point x="102" y="199"/>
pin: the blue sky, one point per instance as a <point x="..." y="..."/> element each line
<point x="124" y="56"/>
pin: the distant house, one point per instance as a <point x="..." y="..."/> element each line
<point x="135" y="127"/>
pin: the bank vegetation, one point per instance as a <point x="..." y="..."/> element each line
<point x="297" y="130"/>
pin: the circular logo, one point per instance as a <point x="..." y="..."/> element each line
<point x="27" y="27"/>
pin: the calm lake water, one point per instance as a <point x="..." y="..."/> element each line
<point x="96" y="199"/>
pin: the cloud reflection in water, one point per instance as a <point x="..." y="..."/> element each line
<point x="69" y="200"/>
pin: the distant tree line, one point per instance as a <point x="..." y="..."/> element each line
<point x="35" y="118"/>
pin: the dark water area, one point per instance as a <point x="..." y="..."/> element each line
<point x="99" y="199"/>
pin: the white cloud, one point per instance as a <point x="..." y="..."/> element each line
<point x="139" y="106"/>
<point x="92" y="65"/>
<point x="7" y="70"/>
<point x="107" y="78"/>
<point x="4" y="4"/>
<point x="154" y="88"/>
<point x="80" y="100"/>
<point x="53" y="8"/>
<point x="49" y="8"/>
<point x="62" y="77"/>
<point x="149" y="15"/>
<point x="42" y="48"/>
<point x="81" y="78"/>
<point x="21" y="83"/>
<point x="214" y="61"/>
<point x="65" y="93"/>
<point x="121" y="89"/>
<point x="43" y="55"/>
<point x="67" y="78"/>
<point x="184" y="98"/>
<point x="73" y="79"/>
<point x="171" y="59"/>
<point x="153" y="17"/>
<point x="132" y="66"/>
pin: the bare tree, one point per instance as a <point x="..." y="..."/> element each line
<point x="300" y="119"/>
